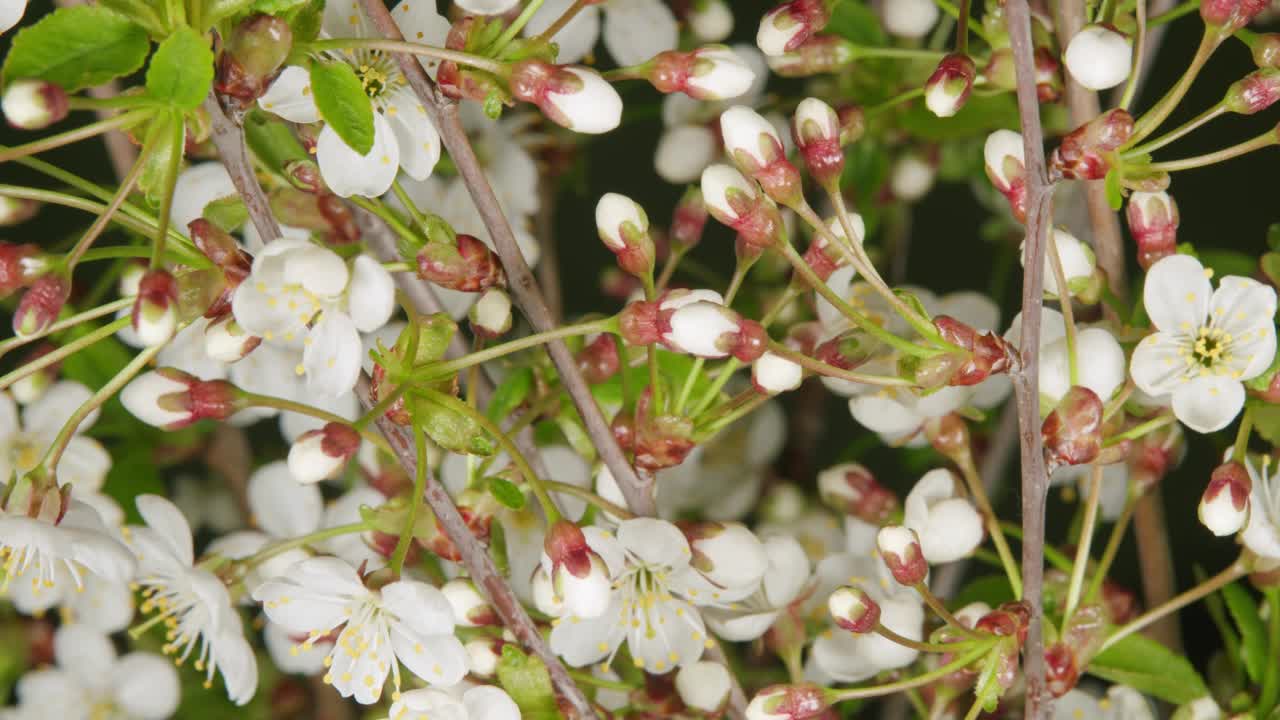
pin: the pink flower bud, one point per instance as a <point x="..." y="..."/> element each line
<point x="1224" y="507"/>
<point x="1253" y="93"/>
<point x="155" y="310"/>
<point x="579" y="577"/>
<point x="734" y="201"/>
<point x="755" y="147"/>
<point x="573" y="97"/>
<point x="40" y="305"/>
<point x="804" y="701"/>
<point x="900" y="549"/>
<point x="854" y="610"/>
<point x="1003" y="155"/>
<point x="772" y="374"/>
<point x="713" y="72"/>
<point x="1073" y="431"/>
<point x="950" y="84"/>
<point x="1230" y="15"/>
<point x="852" y="489"/>
<point x="470" y="266"/>
<point x="1085" y="153"/>
<point x="1266" y="50"/>
<point x="33" y="104"/>
<point x="816" y="131"/>
<point x="20" y="265"/>
<point x="322" y="454"/>
<point x="171" y="399"/>
<point x="1099" y="57"/>
<point x="252" y="56"/>
<point x="1153" y="222"/>
<point x="988" y="353"/>
<point x="624" y="229"/>
<point x="788" y="26"/>
<point x="819" y="55"/>
<point x="688" y="220"/>
<point x="470" y="609"/>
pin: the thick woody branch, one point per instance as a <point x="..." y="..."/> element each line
<point x="444" y="113"/>
<point x="228" y="138"/>
<point x="1026" y="381"/>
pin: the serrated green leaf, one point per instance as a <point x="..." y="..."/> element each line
<point x="1115" y="195"/>
<point x="1244" y="611"/>
<point x="343" y="104"/>
<point x="510" y="394"/>
<point x="1151" y="668"/>
<point x="506" y="492"/>
<point x="77" y="47"/>
<point x="526" y="680"/>
<point x="181" y="70"/>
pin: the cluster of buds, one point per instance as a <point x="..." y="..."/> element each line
<point x="948" y="88"/>
<point x="33" y="104"/>
<point x="20" y="266"/>
<point x="985" y="354"/>
<point x="656" y="441"/>
<point x="694" y="323"/>
<point x="1099" y="57"/>
<point x="310" y="204"/>
<point x="1073" y="430"/>
<point x="322" y="454"/>
<point x="458" y="81"/>
<point x="1224" y="507"/>
<point x="1004" y="158"/>
<point x="40" y="304"/>
<point x="252" y="56"/>
<point x="900" y="549"/>
<point x="820" y="55"/>
<point x="1253" y="93"/>
<point x="466" y="265"/>
<point x="624" y="228"/>
<point x="756" y="148"/>
<point x="851" y="489"/>
<point x="791" y="24"/>
<point x="854" y="610"/>
<point x="1085" y="153"/>
<point x="803" y="701"/>
<point x="1153" y="222"/>
<point x="713" y="72"/>
<point x="171" y="399"/>
<point x="688" y="221"/>
<point x="575" y="575"/>
<point x="1228" y="16"/>
<point x="155" y="309"/>
<point x="573" y="97"/>
<point x="816" y="131"/>
<point x="735" y="201"/>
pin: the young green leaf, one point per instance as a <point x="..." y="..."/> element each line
<point x="181" y="70"/>
<point x="77" y="47"/>
<point x="1115" y="197"/>
<point x="1151" y="668"/>
<point x="526" y="680"/>
<point x="343" y="104"/>
<point x="510" y="394"/>
<point x="1244" y="611"/>
<point x="506" y="492"/>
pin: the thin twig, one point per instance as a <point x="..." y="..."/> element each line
<point x="549" y="262"/>
<point x="228" y="138"/>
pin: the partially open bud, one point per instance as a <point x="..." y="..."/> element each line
<point x="1073" y="431"/>
<point x="848" y="350"/>
<point x="579" y="577"/>
<point x="155" y="309"/>
<point x="755" y="147"/>
<point x="40" y="304"/>
<point x="322" y="454"/>
<point x="816" y="131"/>
<point x="820" y="55"/>
<point x="225" y="253"/>
<point x="20" y="265"/>
<point x="949" y="86"/>
<point x="490" y="316"/>
<point x="804" y="701"/>
<point x="1003" y="155"/>
<point x="1086" y="152"/>
<point x="1153" y="222"/>
<point x="851" y="489"/>
<point x="572" y="97"/>
<point x="469" y="266"/>
<point x="900" y="549"/>
<point x="470" y="609"/>
<point x="854" y="610"/>
<point x="1224" y="507"/>
<point x="657" y="442"/>
<point x="788" y="26"/>
<point x="624" y="228"/>
<point x="688" y="220"/>
<point x="171" y="399"/>
<point x="226" y="341"/>
<point x="710" y="20"/>
<point x="772" y="374"/>
<point x="734" y="201"/>
<point x="713" y="72"/>
<point x="1099" y="57"/>
<point x="33" y="104"/>
<point x="709" y="330"/>
<point x="704" y="686"/>
<point x="727" y="554"/>
<point x="1077" y="260"/>
<point x="1230" y="15"/>
<point x="986" y="352"/>
<point x="1253" y="93"/>
<point x="252" y="56"/>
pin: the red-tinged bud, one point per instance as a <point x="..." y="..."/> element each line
<point x="756" y="148"/>
<point x="816" y="131"/>
<point x="948" y="88"/>
<point x="713" y="72"/>
<point x="1009" y="620"/>
<point x="381" y="387"/>
<point x="252" y="56"/>
<point x="470" y="266"/>
<point x="155" y="309"/>
<point x="1266" y="50"/>
<point x="854" y="610"/>
<point x="790" y="25"/>
<point x="820" y="55"/>
<point x="33" y="104"/>
<point x="736" y="202"/>
<point x="1119" y="603"/>
<point x="1253" y="93"/>
<point x="599" y="360"/>
<point x="688" y="221"/>
<point x="848" y="350"/>
<point x="639" y="323"/>
<point x="305" y="176"/>
<point x="1081" y="639"/>
<point x="339" y="220"/>
<point x="661" y="442"/>
<point x="40" y="305"/>
<point x="1224" y="507"/>
<point x="20" y="266"/>
<point x="171" y="399"/>
<point x="986" y="353"/>
<point x="1153" y="222"/>
<point x="618" y="285"/>
<point x="623" y="226"/>
<point x="948" y="435"/>
<point x="1061" y="670"/>
<point x="1228" y="16"/>
<point x="573" y="97"/>
<point x="470" y="609"/>
<point x="900" y="549"/>
<point x="322" y="454"/>
<point x="853" y="123"/>
<point x="1003" y="157"/>
<point x="225" y="253"/>
<point x="803" y="337"/>
<point x="804" y="701"/>
<point x="1048" y="76"/>
<point x="824" y="258"/>
<point x="1086" y="152"/>
<point x="1073" y="431"/>
<point x="852" y="489"/>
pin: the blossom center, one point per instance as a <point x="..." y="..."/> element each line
<point x="378" y="75"/>
<point x="1210" y="348"/>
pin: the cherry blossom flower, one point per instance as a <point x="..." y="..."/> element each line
<point x="948" y="525"/>
<point x="25" y="438"/>
<point x="784" y="581"/>
<point x="1120" y="703"/>
<point x="634" y="30"/>
<point x="404" y="621"/>
<point x="404" y="137"/>
<point x="1262" y="533"/>
<point x="1206" y="342"/>
<point x="481" y="702"/>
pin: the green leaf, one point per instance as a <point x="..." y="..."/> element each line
<point x="228" y="213"/>
<point x="1115" y="194"/>
<point x="526" y="680"/>
<point x="1266" y="422"/>
<point x="276" y="7"/>
<point x="158" y="153"/>
<point x="343" y="104"/>
<point x="990" y="589"/>
<point x="306" y="21"/>
<point x="980" y="115"/>
<point x="1228" y="262"/>
<point x="77" y="47"/>
<point x="452" y="430"/>
<point x="181" y="70"/>
<point x="857" y="23"/>
<point x="1244" y="610"/>
<point x="1151" y="668"/>
<point x="510" y="394"/>
<point x="506" y="492"/>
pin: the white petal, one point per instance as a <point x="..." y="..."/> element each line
<point x="421" y="607"/>
<point x="46" y="416"/>
<point x="487" y="702"/>
<point x="420" y="22"/>
<point x="1245" y="309"/>
<point x="438" y="659"/>
<point x="681" y="640"/>
<point x="585" y="642"/>
<point x="268" y="312"/>
<point x="197" y="186"/>
<point x="568" y="467"/>
<point x="887" y="412"/>
<point x="318" y="269"/>
<point x="1100" y="361"/>
<point x="655" y="542"/>
<point x="576" y="38"/>
<point x="1207" y="404"/>
<point x="84" y="464"/>
<point x="1176" y="294"/>
<point x="349" y="173"/>
<point x="487" y="7"/>
<point x="289" y="655"/>
<point x="282" y="506"/>
<point x="788" y="569"/>
<point x="332" y="357"/>
<point x="416" y="135"/>
<point x="636" y="30"/>
<point x="372" y="295"/>
<point x="145" y="685"/>
<point x="102" y="604"/>
<point x="1156" y="367"/>
<point x="169" y="524"/>
<point x="290" y="97"/>
<point x="83" y="651"/>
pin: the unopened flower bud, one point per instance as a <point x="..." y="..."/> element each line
<point x="987" y="352"/>
<point x="710" y="20"/>
<point x="688" y="220"/>
<point x="854" y="610"/>
<point x="33" y="104"/>
<point x="1224" y="507"/>
<point x="853" y="123"/>
<point x="16" y="210"/>
<point x="949" y="435"/>
<point x="755" y="147"/>
<point x="909" y="18"/>
<point x="322" y="454"/>
<point x="710" y="330"/>
<point x="819" y="55"/>
<point x="544" y="594"/>
<point x="704" y="686"/>
<point x="155" y="309"/>
<point x="579" y="577"/>
<point x="40" y="304"/>
<point x="1076" y="258"/>
<point x="305" y="175"/>
<point x="772" y="374"/>
<point x="804" y="701"/>
<point x="252" y="56"/>
<point x="848" y="350"/>
<point x="226" y="341"/>
<point x="1266" y="50"/>
<point x="572" y="97"/>
<point x="599" y="360"/>
<point x="1228" y="16"/>
<point x="483" y="655"/>
<point x="1099" y="57"/>
<point x="1073" y="431"/>
<point x="624" y="228"/>
<point x="900" y="549"/>
<point x="851" y="489"/>
<point x="469" y="266"/>
<point x="1153" y="222"/>
<point x="949" y="86"/>
<point x="470" y="609"/>
<point x="1085" y="153"/>
<point x="789" y="25"/>
<point x="816" y="131"/>
<point x="1003" y="155"/>
<point x="20" y="265"/>
<point x="734" y="201"/>
<point x="1253" y="93"/>
<point x="490" y="316"/>
<point x="171" y="399"/>
<point x="713" y="72"/>
<point x="911" y="177"/>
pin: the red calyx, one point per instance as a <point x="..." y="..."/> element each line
<point x="599" y="360"/>
<point x="15" y="267"/>
<point x="1085" y="152"/>
<point x="567" y="547"/>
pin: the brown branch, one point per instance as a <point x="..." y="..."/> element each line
<point x="545" y="227"/>
<point x="1026" y="380"/>
<point x="480" y="566"/>
<point x="444" y="113"/>
<point x="1156" y="565"/>
<point x="228" y="138"/>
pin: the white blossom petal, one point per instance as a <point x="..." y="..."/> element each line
<point x="1209" y="403"/>
<point x="371" y="296"/>
<point x="290" y="97"/>
<point x="349" y="173"/>
<point x="1176" y="294"/>
<point x="636" y="30"/>
<point x="281" y="505"/>
<point x="332" y="357"/>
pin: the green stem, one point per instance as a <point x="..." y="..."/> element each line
<point x="63" y="352"/>
<point x="409" y="205"/>
<point x="1068" y="312"/>
<point x="404" y="46"/>
<point x="941" y="610"/>
<point x="1109" y="553"/>
<point x="707" y="431"/>
<point x="817" y="366"/>
<point x="1214" y="112"/>
<point x="694" y="371"/>
<point x="1138" y="431"/>
<point x="565" y="18"/>
<point x="1271" y="679"/>
<point x="974" y="26"/>
<point x="862" y="52"/>
<point x="1083" y="548"/>
<point x="419" y="489"/>
<point x="449" y="367"/>
<point x="515" y="27"/>
<point x="309" y="539"/>
<point x="591" y="498"/>
<point x="1139" y="53"/>
<point x="962" y="28"/>
<point x="380" y="408"/>
<point x="170" y="184"/>
<point x="385" y="214"/>
<point x="1241" y="445"/>
<point x="287" y="405"/>
<point x="979" y="493"/>
<point x="1151" y="119"/>
<point x="1053" y="555"/>
<point x="1235" y="571"/>
<point x="1185" y="8"/>
<point x="68" y="322"/>
<point x="928" y="678"/>
<point x="1266" y="139"/>
<point x="928" y="647"/>
<point x="66" y="138"/>
<point x="896" y="100"/>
